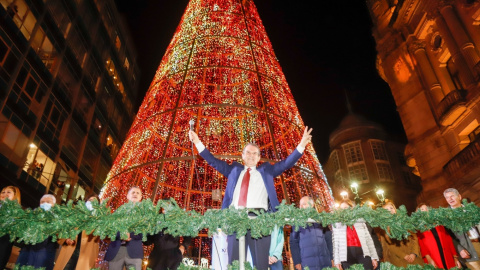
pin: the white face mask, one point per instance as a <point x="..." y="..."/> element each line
<point x="46" y="206"/>
<point x="89" y="205"/>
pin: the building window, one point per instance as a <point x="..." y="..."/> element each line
<point x="335" y="161"/>
<point x="384" y="172"/>
<point x="39" y="165"/>
<point x="21" y="15"/>
<point x="358" y="173"/>
<point x="379" y="152"/>
<point x="454" y="74"/>
<point x="353" y="152"/>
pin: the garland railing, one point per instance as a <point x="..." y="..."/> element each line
<point x="67" y="221"/>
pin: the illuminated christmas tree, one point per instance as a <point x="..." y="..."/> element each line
<point x="219" y="70"/>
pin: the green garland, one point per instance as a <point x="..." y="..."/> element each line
<point x="236" y="266"/>
<point x="67" y="221"/>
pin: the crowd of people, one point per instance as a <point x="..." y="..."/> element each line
<point x="251" y="186"/>
<point x="314" y="246"/>
<point x="82" y="252"/>
<point x="342" y="246"/>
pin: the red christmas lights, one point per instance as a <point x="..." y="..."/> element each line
<point x="221" y="71"/>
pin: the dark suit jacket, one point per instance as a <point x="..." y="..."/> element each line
<point x="134" y="247"/>
<point x="266" y="170"/>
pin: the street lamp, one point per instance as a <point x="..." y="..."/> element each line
<point x="354" y="188"/>
<point x="344" y="194"/>
<point x="381" y="195"/>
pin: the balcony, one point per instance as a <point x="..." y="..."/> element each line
<point x="451" y="107"/>
<point x="465" y="166"/>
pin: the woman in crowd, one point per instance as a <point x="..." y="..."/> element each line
<point x="399" y="252"/>
<point x="82" y="252"/>
<point x="353" y="245"/>
<point x="13" y="194"/>
<point x="40" y="254"/>
<point x="437" y="246"/>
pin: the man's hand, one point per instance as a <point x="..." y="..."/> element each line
<point x="410" y="258"/>
<point x="128" y="237"/>
<point x="193" y="137"/>
<point x="70" y="242"/>
<point x="298" y="266"/>
<point x="374" y="263"/>
<point x="458" y="264"/>
<point x="464" y="254"/>
<point x="272" y="259"/>
<point x="182" y="249"/>
<point x="339" y="266"/>
<point x="306" y="137"/>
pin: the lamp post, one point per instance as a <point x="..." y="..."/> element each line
<point x="381" y="195"/>
<point x="354" y="188"/>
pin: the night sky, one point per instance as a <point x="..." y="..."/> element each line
<point x="325" y="48"/>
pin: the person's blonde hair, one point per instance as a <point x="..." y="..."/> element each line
<point x="16" y="191"/>
<point x="388" y="202"/>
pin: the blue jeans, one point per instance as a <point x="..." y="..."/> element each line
<point x="276" y="266"/>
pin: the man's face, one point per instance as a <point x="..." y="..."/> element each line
<point x="47" y="200"/>
<point x="251" y="156"/>
<point x="453" y="199"/>
<point x="305" y="203"/>
<point x="423" y="208"/>
<point x="134" y="195"/>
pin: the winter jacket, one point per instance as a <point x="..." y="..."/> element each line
<point x="311" y="246"/>
<point x="340" y="241"/>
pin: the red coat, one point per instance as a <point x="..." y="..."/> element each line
<point x="428" y="246"/>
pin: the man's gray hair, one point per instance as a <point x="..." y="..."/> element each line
<point x="49" y="196"/>
<point x="451" y="190"/>
<point x="252" y="144"/>
<point x="311" y="202"/>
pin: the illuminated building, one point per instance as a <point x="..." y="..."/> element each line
<point x="67" y="82"/>
<point x="362" y="152"/>
<point x="428" y="54"/>
<point x="220" y="71"/>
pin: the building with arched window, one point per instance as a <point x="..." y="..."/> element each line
<point x="362" y="153"/>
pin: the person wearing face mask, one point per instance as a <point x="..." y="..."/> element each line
<point x="13" y="194"/>
<point x="41" y="254"/>
<point x="128" y="252"/>
<point x="82" y="252"/>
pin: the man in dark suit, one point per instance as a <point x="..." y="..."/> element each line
<point x="129" y="252"/>
<point x="252" y="187"/>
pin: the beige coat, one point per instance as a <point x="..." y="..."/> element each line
<point x="394" y="251"/>
<point x="89" y="249"/>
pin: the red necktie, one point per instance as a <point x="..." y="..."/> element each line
<point x="242" y="200"/>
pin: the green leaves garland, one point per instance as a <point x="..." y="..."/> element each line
<point x="67" y="221"/>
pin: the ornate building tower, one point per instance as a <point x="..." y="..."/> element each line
<point x="361" y="152"/>
<point x="221" y="72"/>
<point x="428" y="52"/>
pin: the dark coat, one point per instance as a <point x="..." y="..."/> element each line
<point x="267" y="170"/>
<point x="312" y="246"/>
<point x="166" y="253"/>
<point x="134" y="247"/>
